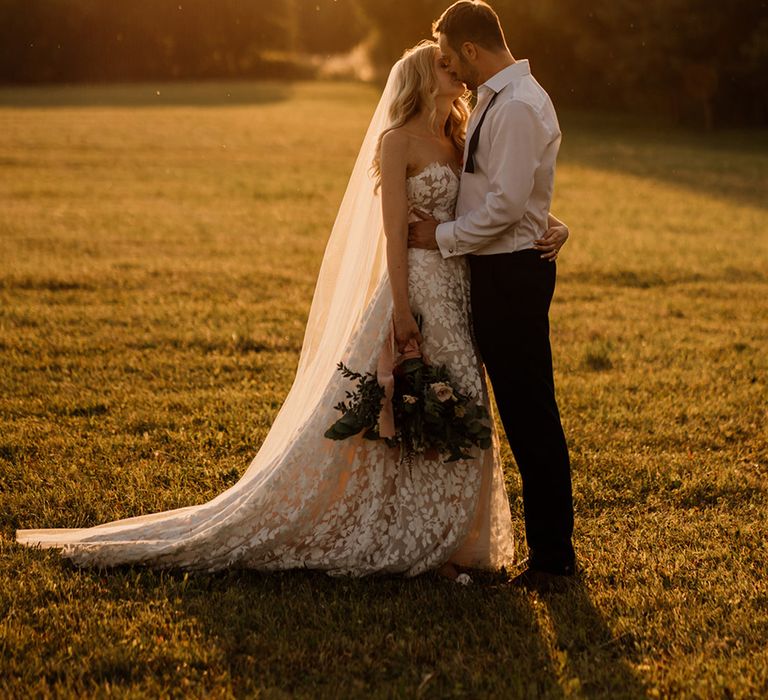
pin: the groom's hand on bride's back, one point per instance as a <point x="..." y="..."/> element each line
<point x="421" y="234"/>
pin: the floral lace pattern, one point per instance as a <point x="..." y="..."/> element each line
<point x="346" y="507"/>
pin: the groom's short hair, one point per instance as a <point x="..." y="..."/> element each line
<point x="470" y="20"/>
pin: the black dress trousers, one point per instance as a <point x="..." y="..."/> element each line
<point x="511" y="294"/>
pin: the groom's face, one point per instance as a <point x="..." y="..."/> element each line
<point x="456" y="64"/>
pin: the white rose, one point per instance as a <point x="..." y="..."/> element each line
<point x="409" y="399"/>
<point x="442" y="391"/>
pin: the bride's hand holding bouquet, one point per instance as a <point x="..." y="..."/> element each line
<point x="412" y="405"/>
<point x="406" y="330"/>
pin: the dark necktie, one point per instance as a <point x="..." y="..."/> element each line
<point x="469" y="165"/>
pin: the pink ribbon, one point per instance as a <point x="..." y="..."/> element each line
<point x="389" y="358"/>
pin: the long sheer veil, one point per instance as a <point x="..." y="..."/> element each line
<point x="353" y="266"/>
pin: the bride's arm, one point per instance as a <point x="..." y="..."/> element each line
<point x="394" y="205"/>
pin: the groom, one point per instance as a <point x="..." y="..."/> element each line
<point x="502" y="218"/>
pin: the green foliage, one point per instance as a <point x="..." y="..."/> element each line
<point x="329" y="26"/>
<point x="449" y="424"/>
<point x="362" y="412"/>
<point x="397" y="26"/>
<point x="685" y="58"/>
<point x="156" y="270"/>
<point x="83" y="40"/>
<point x="431" y="415"/>
<point x="702" y="62"/>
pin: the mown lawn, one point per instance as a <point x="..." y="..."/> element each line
<point x="158" y="251"/>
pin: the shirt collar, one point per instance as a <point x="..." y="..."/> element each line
<point x="505" y="76"/>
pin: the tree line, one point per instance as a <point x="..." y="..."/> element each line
<point x="698" y="61"/>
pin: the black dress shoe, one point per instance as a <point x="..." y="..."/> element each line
<point x="555" y="569"/>
<point x="543" y="581"/>
<point x="559" y="563"/>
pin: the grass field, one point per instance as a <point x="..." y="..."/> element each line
<point x="158" y="251"/>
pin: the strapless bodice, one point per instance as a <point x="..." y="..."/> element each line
<point x="434" y="190"/>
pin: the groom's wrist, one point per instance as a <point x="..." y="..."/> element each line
<point x="445" y="235"/>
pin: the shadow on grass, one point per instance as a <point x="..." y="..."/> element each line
<point x="305" y="633"/>
<point x="728" y="164"/>
<point x="596" y="659"/>
<point x="150" y="94"/>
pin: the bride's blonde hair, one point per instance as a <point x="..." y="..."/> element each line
<point x="416" y="90"/>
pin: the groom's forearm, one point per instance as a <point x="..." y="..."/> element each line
<point x="519" y="139"/>
<point x="452" y="239"/>
<point x="445" y="237"/>
<point x="479" y="227"/>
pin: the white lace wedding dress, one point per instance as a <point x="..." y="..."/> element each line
<point x="345" y="507"/>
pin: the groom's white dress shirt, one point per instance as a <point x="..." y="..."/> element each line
<point x="503" y="206"/>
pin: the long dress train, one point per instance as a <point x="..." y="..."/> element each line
<point x="344" y="507"/>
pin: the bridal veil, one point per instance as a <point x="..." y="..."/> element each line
<point x="353" y="267"/>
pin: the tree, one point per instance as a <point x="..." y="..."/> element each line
<point x="697" y="61"/>
<point x="74" y="40"/>
<point x="330" y="26"/>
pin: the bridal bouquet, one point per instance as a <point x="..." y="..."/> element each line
<point x="430" y="414"/>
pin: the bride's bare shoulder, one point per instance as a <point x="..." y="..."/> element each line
<point x="396" y="139"/>
<point x="395" y="148"/>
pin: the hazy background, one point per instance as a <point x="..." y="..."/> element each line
<point x="695" y="62"/>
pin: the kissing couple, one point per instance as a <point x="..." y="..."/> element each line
<point x="444" y="242"/>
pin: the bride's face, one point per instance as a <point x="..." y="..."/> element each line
<point x="448" y="84"/>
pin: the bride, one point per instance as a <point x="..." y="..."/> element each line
<point x="347" y="507"/>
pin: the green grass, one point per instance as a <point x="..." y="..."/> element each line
<point x="157" y="259"/>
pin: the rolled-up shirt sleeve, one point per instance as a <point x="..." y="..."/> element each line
<point x="519" y="138"/>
